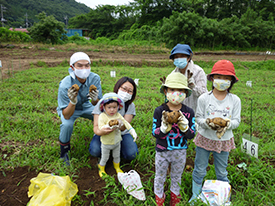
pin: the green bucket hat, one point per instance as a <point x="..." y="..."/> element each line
<point x="178" y="81"/>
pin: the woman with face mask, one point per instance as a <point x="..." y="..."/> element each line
<point x="182" y="55"/>
<point x="126" y="90"/>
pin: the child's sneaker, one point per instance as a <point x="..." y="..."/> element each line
<point x="174" y="199"/>
<point x="160" y="201"/>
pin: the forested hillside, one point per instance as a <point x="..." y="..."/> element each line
<point x="201" y="23"/>
<point x="219" y="24"/>
<point x="16" y="10"/>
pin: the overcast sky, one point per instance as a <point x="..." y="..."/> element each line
<point x="94" y="3"/>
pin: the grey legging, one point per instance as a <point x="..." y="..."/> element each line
<point x="105" y="153"/>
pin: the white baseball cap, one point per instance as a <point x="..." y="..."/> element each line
<point x="79" y="56"/>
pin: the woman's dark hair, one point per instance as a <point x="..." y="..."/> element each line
<point x="233" y="81"/>
<point x="120" y="82"/>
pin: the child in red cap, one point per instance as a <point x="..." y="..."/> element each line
<point x="218" y="113"/>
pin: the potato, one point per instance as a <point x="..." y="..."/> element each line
<point x="113" y="122"/>
<point x="76" y="87"/>
<point x="92" y="87"/>
<point x="173" y="116"/>
<point x="219" y="121"/>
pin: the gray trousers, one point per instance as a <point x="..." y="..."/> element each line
<point x="105" y="153"/>
<point x="177" y="159"/>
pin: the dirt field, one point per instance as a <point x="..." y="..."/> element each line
<point x="17" y="57"/>
<point x="14" y="184"/>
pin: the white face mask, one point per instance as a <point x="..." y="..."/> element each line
<point x="176" y="97"/>
<point x="124" y="95"/>
<point x="221" y="84"/>
<point x="82" y="73"/>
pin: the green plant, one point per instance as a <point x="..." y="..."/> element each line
<point x="47" y="30"/>
<point x="29" y="128"/>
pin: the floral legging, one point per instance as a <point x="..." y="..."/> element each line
<point x="177" y="158"/>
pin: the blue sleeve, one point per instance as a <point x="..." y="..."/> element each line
<point x="63" y="99"/>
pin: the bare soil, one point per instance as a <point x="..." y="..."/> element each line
<point x="21" y="57"/>
<point x="14" y="184"/>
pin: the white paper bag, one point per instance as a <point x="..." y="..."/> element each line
<point x="132" y="184"/>
<point x="216" y="193"/>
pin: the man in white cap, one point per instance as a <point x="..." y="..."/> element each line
<point x="74" y="102"/>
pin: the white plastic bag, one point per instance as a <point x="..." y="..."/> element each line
<point x="216" y="193"/>
<point x="132" y="184"/>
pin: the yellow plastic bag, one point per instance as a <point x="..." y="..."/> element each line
<point x="51" y="190"/>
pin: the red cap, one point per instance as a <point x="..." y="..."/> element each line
<point x="223" y="67"/>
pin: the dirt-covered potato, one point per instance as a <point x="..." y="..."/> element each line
<point x="76" y="87"/>
<point x="92" y="87"/>
<point x="173" y="116"/>
<point x="113" y="122"/>
<point x="219" y="121"/>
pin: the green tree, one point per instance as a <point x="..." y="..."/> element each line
<point x="99" y="21"/>
<point x="47" y="30"/>
<point x="266" y="7"/>
<point x="182" y="27"/>
<point x="260" y="32"/>
<point x="105" y="21"/>
<point x="125" y="17"/>
<point x="151" y="11"/>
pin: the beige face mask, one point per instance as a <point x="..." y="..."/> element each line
<point x="176" y="97"/>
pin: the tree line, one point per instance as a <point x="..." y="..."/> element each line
<point x="210" y="24"/>
<point x="200" y="23"/>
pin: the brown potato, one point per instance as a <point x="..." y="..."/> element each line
<point x="173" y="116"/>
<point x="92" y="87"/>
<point x="113" y="122"/>
<point x="76" y="87"/>
<point x="219" y="121"/>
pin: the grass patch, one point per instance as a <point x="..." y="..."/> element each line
<point x="29" y="128"/>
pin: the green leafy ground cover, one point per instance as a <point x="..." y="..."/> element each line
<point x="29" y="129"/>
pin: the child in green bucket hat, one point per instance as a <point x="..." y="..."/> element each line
<point x="171" y="137"/>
